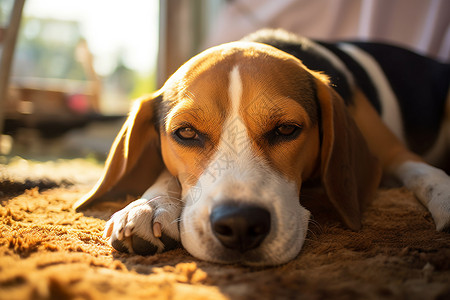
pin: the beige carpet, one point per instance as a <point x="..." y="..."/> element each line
<point x="49" y="251"/>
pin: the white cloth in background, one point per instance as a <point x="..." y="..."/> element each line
<point x="423" y="25"/>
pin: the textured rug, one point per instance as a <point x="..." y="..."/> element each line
<point x="49" y="251"/>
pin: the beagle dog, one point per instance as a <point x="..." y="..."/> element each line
<point x="219" y="154"/>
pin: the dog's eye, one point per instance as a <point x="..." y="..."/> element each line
<point x="186" y="133"/>
<point x="286" y="129"/>
<point x="283" y="133"/>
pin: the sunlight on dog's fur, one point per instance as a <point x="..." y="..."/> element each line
<point x="219" y="156"/>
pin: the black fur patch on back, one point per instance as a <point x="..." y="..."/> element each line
<point x="420" y="84"/>
<point x="305" y="50"/>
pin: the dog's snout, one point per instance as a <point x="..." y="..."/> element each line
<point x="240" y="227"/>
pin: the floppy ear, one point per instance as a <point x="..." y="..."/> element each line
<point x="134" y="161"/>
<point x="350" y="173"/>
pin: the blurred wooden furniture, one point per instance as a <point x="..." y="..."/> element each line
<point x="183" y="26"/>
<point x="8" y="38"/>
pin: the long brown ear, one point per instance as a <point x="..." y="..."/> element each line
<point x="134" y="161"/>
<point x="350" y="173"/>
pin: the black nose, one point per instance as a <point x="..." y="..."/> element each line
<point x="240" y="227"/>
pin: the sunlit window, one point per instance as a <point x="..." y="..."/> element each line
<point x="100" y="53"/>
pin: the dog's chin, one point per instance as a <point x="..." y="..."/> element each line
<point x="253" y="258"/>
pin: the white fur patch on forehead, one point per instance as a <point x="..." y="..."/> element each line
<point x="235" y="90"/>
<point x="234" y="134"/>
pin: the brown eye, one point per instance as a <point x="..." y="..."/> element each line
<point x="186" y="133"/>
<point x="286" y="130"/>
<point x="283" y="133"/>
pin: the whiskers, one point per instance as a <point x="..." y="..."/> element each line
<point x="177" y="220"/>
<point x="167" y="204"/>
<point x="175" y="200"/>
<point x="313" y="231"/>
<point x="315" y="227"/>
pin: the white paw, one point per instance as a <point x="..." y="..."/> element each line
<point x="432" y="187"/>
<point x="146" y="227"/>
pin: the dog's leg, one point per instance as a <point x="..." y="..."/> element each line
<point x="149" y="225"/>
<point x="430" y="185"/>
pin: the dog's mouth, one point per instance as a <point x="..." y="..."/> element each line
<point x="233" y="232"/>
<point x="213" y="251"/>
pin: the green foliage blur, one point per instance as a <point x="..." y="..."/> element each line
<point x="47" y="48"/>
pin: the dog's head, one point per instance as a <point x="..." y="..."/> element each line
<point x="242" y="126"/>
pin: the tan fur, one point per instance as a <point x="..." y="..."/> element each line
<point x="350" y="173"/>
<point x="277" y="88"/>
<point x="134" y="159"/>
<point x="382" y="142"/>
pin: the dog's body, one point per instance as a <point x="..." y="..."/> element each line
<point x="223" y="149"/>
<point x="408" y="90"/>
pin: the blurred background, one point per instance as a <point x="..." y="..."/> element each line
<point x="69" y="69"/>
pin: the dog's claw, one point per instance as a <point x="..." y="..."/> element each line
<point x="157" y="230"/>
<point x="128" y="231"/>
<point x="108" y="230"/>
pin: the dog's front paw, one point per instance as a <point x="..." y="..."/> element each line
<point x="146" y="227"/>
